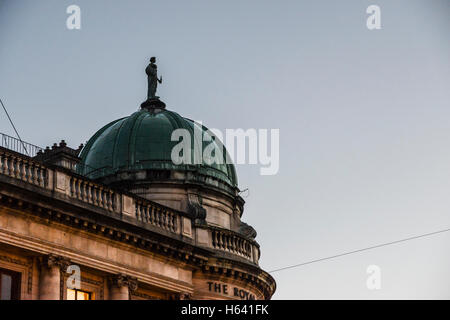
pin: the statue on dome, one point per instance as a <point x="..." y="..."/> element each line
<point x="152" y="77"/>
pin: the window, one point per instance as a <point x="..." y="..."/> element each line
<point x="75" y="294"/>
<point x="9" y="285"/>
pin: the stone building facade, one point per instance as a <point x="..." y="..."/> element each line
<point x="127" y="221"/>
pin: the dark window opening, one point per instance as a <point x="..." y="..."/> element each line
<point x="9" y="285"/>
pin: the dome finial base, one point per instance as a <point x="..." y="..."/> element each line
<point x="153" y="103"/>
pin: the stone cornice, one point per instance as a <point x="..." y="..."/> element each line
<point x="142" y="239"/>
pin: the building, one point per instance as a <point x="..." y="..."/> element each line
<point x="123" y="217"/>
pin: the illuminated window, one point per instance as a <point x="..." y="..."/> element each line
<point x="9" y="285"/>
<point x="75" y="294"/>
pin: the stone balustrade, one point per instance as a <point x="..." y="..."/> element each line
<point x="157" y="216"/>
<point x="74" y="186"/>
<point x="92" y="193"/>
<point x="232" y="242"/>
<point x="22" y="168"/>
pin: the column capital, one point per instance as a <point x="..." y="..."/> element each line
<point x="52" y="260"/>
<point x="122" y="280"/>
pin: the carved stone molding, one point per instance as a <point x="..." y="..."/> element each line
<point x="184" y="296"/>
<point x="247" y="231"/>
<point x="143" y="296"/>
<point x="122" y="280"/>
<point x="195" y="209"/>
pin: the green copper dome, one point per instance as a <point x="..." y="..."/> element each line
<point x="142" y="141"/>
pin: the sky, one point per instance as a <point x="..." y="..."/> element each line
<point x="363" y="117"/>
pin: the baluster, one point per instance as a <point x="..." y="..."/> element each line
<point x="214" y="239"/>
<point x="80" y="189"/>
<point x="43" y="177"/>
<point x="35" y="174"/>
<point x="152" y="215"/>
<point x="226" y="242"/>
<point x="108" y="200"/>
<point x="30" y="172"/>
<point x="113" y="201"/>
<point x="157" y="216"/>
<point x="147" y="208"/>
<point x="19" y="169"/>
<point x="169" y="220"/>
<point x="25" y="165"/>
<point x="237" y="245"/>
<point x="100" y="197"/>
<point x="94" y="195"/>
<point x="89" y="192"/>
<point x="137" y="210"/>
<point x="139" y="213"/>
<point x="12" y="168"/>
<point x="23" y="170"/>
<point x="84" y="196"/>
<point x="112" y="197"/>
<point x="219" y="240"/>
<point x="38" y="175"/>
<point x="166" y="219"/>
<point x="6" y="165"/>
<point x="174" y="222"/>
<point x="165" y="223"/>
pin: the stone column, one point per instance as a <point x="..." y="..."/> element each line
<point x="50" y="277"/>
<point x="121" y="286"/>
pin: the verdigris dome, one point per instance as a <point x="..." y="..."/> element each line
<point x="142" y="141"/>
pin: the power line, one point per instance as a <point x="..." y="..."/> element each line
<point x="14" y="127"/>
<point x="359" y="250"/>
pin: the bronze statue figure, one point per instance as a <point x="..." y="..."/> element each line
<point x="152" y="77"/>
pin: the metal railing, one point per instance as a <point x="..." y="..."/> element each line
<point x="18" y="146"/>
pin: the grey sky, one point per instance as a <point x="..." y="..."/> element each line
<point x="364" y="117"/>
